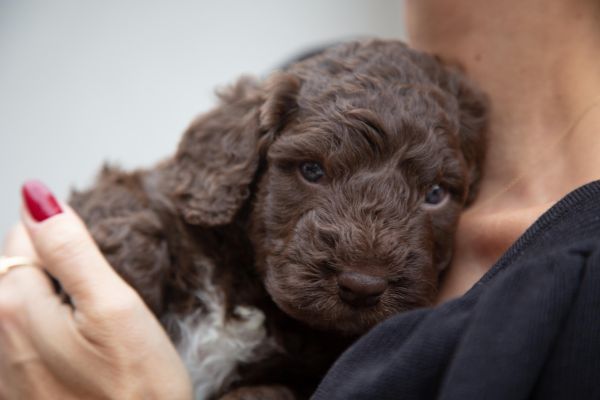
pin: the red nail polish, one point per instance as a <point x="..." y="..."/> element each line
<point x="39" y="200"/>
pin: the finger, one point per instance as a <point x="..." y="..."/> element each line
<point x="32" y="321"/>
<point x="66" y="249"/>
<point x="23" y="290"/>
<point x="18" y="243"/>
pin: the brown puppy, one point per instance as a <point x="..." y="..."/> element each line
<point x="296" y="215"/>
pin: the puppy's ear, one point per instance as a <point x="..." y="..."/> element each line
<point x="281" y="101"/>
<point x="219" y="155"/>
<point x="473" y="107"/>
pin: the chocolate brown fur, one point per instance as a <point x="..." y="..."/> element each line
<point x="385" y="122"/>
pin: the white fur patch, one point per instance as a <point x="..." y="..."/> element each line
<point x="211" y="346"/>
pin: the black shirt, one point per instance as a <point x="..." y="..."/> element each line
<point x="529" y="329"/>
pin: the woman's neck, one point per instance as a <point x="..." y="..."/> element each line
<point x="540" y="76"/>
<point x="539" y="63"/>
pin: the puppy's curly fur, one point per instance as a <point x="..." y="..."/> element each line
<point x="297" y="214"/>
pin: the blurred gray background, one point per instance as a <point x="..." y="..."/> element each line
<point x="83" y="82"/>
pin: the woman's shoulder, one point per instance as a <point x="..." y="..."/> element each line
<point x="572" y="223"/>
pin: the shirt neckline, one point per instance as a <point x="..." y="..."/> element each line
<point x="554" y="214"/>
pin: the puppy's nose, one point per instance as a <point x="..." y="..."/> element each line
<point x="360" y="290"/>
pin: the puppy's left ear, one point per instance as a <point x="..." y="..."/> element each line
<point x="473" y="106"/>
<point x="218" y="158"/>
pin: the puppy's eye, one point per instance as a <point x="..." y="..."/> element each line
<point x="436" y="195"/>
<point x="311" y="171"/>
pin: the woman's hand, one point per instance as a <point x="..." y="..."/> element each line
<point x="107" y="344"/>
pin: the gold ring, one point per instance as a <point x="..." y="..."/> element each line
<point x="8" y="263"/>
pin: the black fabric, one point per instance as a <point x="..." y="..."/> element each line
<point x="529" y="329"/>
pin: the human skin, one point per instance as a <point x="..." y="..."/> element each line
<point x="107" y="345"/>
<point x="539" y="62"/>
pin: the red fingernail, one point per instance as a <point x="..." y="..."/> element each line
<point x="40" y="201"/>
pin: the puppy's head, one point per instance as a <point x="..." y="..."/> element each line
<point x="361" y="159"/>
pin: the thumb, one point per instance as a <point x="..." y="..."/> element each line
<point x="65" y="248"/>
